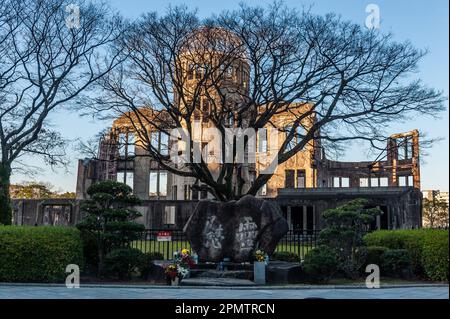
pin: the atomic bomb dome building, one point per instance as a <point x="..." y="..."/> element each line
<point x="303" y="186"/>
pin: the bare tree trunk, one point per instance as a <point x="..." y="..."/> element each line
<point x="5" y="201"/>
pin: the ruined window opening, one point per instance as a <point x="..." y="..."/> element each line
<point x="289" y="181"/>
<point x="174" y="192"/>
<point x="163" y="183"/>
<point x="195" y="193"/>
<point x="290" y="145"/>
<point x="154" y="141"/>
<point x="402" y="181"/>
<point x="336" y="182"/>
<point x="301" y="178"/>
<point x="122" y="144"/>
<point x="154" y="190"/>
<point x="410" y="180"/>
<point x="405" y="149"/>
<point x="262" y="140"/>
<point x="190" y="73"/>
<point x="345" y="182"/>
<point x="374" y="182"/>
<point x="169" y="215"/>
<point x="363" y="182"/>
<point x="164" y="144"/>
<point x="126" y="178"/>
<point x="160" y="142"/>
<point x="187" y="192"/>
<point x="131" y="142"/>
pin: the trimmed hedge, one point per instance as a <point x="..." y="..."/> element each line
<point x="396" y="262"/>
<point x="38" y="254"/>
<point x="122" y="262"/>
<point x="435" y="256"/>
<point x="427" y="248"/>
<point x="320" y="264"/>
<point x="374" y="255"/>
<point x="285" y="256"/>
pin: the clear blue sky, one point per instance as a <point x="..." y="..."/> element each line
<point x="424" y="22"/>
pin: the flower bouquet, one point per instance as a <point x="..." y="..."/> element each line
<point x="260" y="255"/>
<point x="180" y="267"/>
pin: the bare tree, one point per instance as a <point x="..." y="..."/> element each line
<point x="51" y="51"/>
<point x="337" y="81"/>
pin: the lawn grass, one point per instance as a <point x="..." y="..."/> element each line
<point x="168" y="248"/>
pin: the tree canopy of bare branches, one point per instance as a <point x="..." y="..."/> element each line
<point x="49" y="56"/>
<point x="355" y="81"/>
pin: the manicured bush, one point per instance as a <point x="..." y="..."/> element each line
<point x="122" y="262"/>
<point x="90" y="252"/>
<point x="109" y="220"/>
<point x="374" y="255"/>
<point x="38" y="254"/>
<point x="427" y="249"/>
<point x="285" y="256"/>
<point x="320" y="264"/>
<point x="435" y="256"/>
<point x="396" y="262"/>
<point x="344" y="229"/>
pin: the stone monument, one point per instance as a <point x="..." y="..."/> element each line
<point x="218" y="230"/>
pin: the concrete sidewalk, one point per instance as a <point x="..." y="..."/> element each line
<point x="39" y="291"/>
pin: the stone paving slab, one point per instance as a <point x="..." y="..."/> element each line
<point x="205" y="281"/>
<point x="59" y="292"/>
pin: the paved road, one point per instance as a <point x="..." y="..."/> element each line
<point x="51" y="292"/>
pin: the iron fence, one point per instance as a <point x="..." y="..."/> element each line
<point x="295" y="241"/>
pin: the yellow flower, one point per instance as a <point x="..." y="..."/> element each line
<point x="185" y="251"/>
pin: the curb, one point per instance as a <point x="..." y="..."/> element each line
<point x="286" y="287"/>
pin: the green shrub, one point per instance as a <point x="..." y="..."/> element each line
<point x="285" y="256"/>
<point x="38" y="254"/>
<point x="90" y="252"/>
<point x="427" y="249"/>
<point x="320" y="264"/>
<point x="344" y="229"/>
<point x="410" y="240"/>
<point x="396" y="262"/>
<point x="435" y="256"/>
<point x="109" y="220"/>
<point x="123" y="262"/>
<point x="374" y="255"/>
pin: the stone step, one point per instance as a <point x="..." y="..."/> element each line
<point x="210" y="273"/>
<point x="219" y="282"/>
<point x="228" y="265"/>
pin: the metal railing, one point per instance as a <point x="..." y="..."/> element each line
<point x="295" y="241"/>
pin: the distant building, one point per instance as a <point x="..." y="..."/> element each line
<point x="438" y="195"/>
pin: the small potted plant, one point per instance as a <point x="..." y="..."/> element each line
<point x="259" y="267"/>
